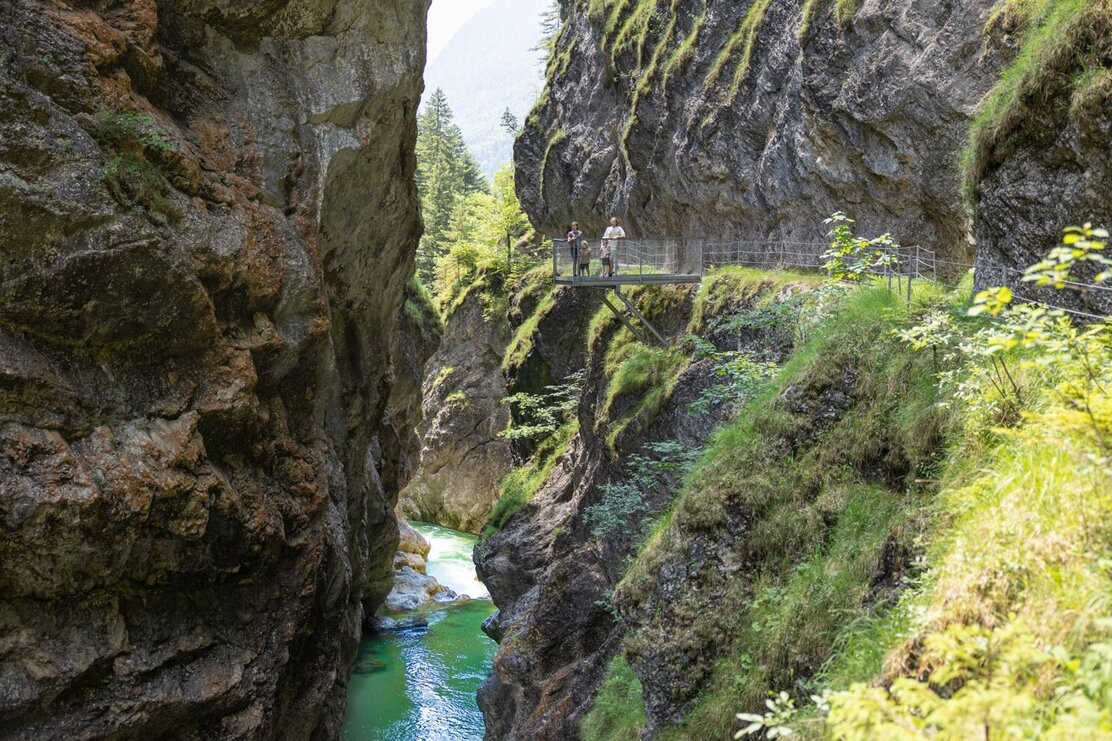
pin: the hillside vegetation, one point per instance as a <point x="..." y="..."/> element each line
<point x="906" y="533"/>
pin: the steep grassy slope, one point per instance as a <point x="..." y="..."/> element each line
<point x="569" y="519"/>
<point x="860" y="521"/>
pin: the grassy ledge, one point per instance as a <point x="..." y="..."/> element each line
<point x="1062" y="40"/>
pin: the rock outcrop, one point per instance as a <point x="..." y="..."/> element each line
<point x="413" y="587"/>
<point x="755" y="120"/>
<point x="207" y="220"/>
<point x="462" y="456"/>
<point x="547" y="570"/>
<point x="1049" y="165"/>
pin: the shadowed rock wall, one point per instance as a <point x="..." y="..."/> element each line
<point x="463" y="459"/>
<point x="207" y="220"/>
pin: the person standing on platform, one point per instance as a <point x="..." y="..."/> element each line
<point x="612" y="238"/>
<point x="584" y="259"/>
<point x="575" y="236"/>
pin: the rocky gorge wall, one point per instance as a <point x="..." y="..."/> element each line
<point x="548" y="570"/>
<point x="207" y="221"/>
<point x="462" y="457"/>
<point x="756" y="120"/>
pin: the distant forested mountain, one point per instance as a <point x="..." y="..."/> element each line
<point x="487" y="67"/>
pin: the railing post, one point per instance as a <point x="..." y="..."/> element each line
<point x="910" y="273"/>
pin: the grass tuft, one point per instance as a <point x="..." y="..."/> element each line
<point x="1059" y="39"/>
<point x="618" y="713"/>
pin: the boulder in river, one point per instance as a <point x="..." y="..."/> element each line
<point x="413" y="590"/>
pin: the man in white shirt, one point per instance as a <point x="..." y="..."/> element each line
<point x="612" y="237"/>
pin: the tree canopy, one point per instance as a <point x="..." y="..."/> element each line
<point x="446" y="175"/>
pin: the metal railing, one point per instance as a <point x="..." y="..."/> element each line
<point x="657" y="260"/>
<point x="653" y="260"/>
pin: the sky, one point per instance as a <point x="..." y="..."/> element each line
<point x="445" y="16"/>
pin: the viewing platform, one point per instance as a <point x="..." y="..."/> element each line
<point x="639" y="262"/>
<point x="636" y="262"/>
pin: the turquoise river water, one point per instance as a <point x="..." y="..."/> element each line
<point x="420" y="684"/>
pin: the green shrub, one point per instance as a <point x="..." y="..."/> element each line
<point x="420" y="308"/>
<point x="129" y="130"/>
<point x="139" y="185"/>
<point x="522" y="484"/>
<point x="624" y="503"/>
<point x="541" y="415"/>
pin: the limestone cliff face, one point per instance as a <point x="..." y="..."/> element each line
<point x="207" y="220"/>
<point x="462" y="457"/>
<point x="548" y="572"/>
<point x="748" y="120"/>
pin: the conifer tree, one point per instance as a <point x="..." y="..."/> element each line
<point x="446" y="173"/>
<point x="509" y="122"/>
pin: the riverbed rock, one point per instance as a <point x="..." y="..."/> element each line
<point x="492" y="627"/>
<point x="413" y="590"/>
<point x="413" y="548"/>
<point x="401" y="624"/>
<point x="207" y="221"/>
<point x="411" y="541"/>
<point x="463" y="459"/>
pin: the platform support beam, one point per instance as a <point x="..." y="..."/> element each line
<point x="641" y="337"/>
<point x="641" y="317"/>
<point x="633" y="310"/>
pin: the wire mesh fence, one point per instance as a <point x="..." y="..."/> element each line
<point x="631" y="258"/>
<point x="901" y="266"/>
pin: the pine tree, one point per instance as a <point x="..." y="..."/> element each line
<point x="551" y="25"/>
<point x="509" y="122"/>
<point x="446" y="172"/>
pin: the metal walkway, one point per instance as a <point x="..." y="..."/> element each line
<point x="637" y="262"/>
<point x="683" y="261"/>
<point x="601" y="281"/>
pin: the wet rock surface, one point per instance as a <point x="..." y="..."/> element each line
<point x="207" y="220"/>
